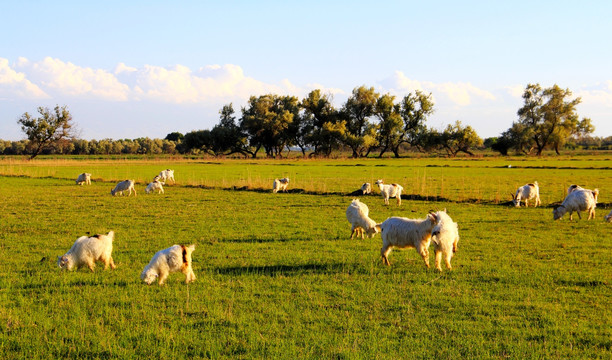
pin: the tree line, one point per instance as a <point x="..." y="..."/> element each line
<point x="367" y="124"/>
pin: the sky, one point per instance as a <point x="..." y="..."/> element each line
<point x="129" y="69"/>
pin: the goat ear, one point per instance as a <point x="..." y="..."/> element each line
<point x="191" y="247"/>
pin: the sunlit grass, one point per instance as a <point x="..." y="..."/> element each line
<point x="278" y="276"/>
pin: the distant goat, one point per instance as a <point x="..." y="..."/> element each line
<point x="173" y="259"/>
<point x="87" y="250"/>
<point x="608" y="217"/>
<point x="526" y="193"/>
<point x="444" y="236"/>
<point x="155" y="186"/>
<point x="577" y="200"/>
<point x="164" y="175"/>
<point x="399" y="232"/>
<point x="280" y="185"/>
<point x="357" y="214"/>
<point x="84" y="178"/>
<point x="393" y="190"/>
<point x="366" y="189"/>
<point x="126" y="185"/>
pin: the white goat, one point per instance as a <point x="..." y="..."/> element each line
<point x="526" y="193"/>
<point x="577" y="200"/>
<point x="87" y="250"/>
<point x="164" y="175"/>
<point x="173" y="259"/>
<point x="393" y="190"/>
<point x="366" y="189"/>
<point x="402" y="232"/>
<point x="126" y="185"/>
<point x="280" y="185"/>
<point x="573" y="187"/>
<point x="155" y="186"/>
<point x="84" y="178"/>
<point x="357" y="214"/>
<point x="444" y="236"/>
<point x="608" y="217"/>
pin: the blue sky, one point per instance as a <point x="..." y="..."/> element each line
<point x="147" y="68"/>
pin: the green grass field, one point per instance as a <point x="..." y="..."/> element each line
<point x="278" y="276"/>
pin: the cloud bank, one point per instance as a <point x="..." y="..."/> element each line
<point x="151" y="94"/>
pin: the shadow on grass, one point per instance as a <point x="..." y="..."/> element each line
<point x="292" y="270"/>
<point x="263" y="240"/>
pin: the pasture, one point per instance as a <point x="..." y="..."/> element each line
<point x="278" y="277"/>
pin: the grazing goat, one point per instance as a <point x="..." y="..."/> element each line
<point x="402" y="232"/>
<point x="608" y="217"/>
<point x="280" y="185"/>
<point x="577" y="200"/>
<point x="573" y="188"/>
<point x="393" y="190"/>
<point x="87" y="250"/>
<point x="444" y="236"/>
<point x="173" y="259"/>
<point x="84" y="178"/>
<point x="366" y="189"/>
<point x="164" y="175"/>
<point x="155" y="186"/>
<point x="125" y="185"/>
<point x="357" y="214"/>
<point x="526" y="193"/>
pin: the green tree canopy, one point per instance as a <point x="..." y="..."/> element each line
<point x="548" y="117"/>
<point x="361" y="133"/>
<point x="47" y="129"/>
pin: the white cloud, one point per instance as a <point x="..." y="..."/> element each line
<point x="15" y="83"/>
<point x="72" y="80"/>
<point x="460" y="94"/>
<point x="600" y="95"/>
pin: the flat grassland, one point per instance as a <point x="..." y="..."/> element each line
<point x="278" y="276"/>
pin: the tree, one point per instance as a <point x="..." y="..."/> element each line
<point x="549" y="118"/>
<point x="457" y="138"/>
<point x="228" y="137"/>
<point x="359" y="107"/>
<point x="322" y="117"/>
<point x="175" y="136"/>
<point x="414" y="110"/>
<point x="266" y="120"/>
<point x="46" y="130"/>
<point x="390" y="127"/>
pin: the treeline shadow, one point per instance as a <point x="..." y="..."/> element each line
<point x="291" y="270"/>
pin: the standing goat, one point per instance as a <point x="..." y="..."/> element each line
<point x="125" y="185"/>
<point x="280" y="185"/>
<point x="87" y="250"/>
<point x="164" y="175"/>
<point x="84" y="178"/>
<point x="173" y="259"/>
<point x="444" y="236"/>
<point x="399" y="232"/>
<point x="577" y="200"/>
<point x="393" y="190"/>
<point x="357" y="214"/>
<point x="526" y="193"/>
